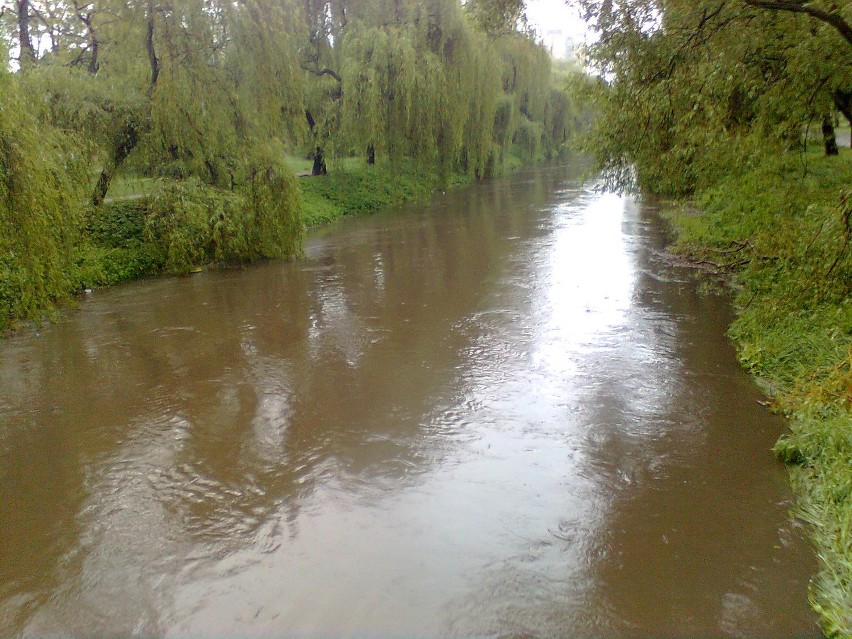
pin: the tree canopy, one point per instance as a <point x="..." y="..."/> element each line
<point x="708" y="80"/>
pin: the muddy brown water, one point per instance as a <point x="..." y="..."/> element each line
<point x="496" y="414"/>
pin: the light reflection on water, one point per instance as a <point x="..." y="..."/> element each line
<point x="499" y="414"/>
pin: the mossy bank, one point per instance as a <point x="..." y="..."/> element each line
<point x="781" y="230"/>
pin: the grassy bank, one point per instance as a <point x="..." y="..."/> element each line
<point x="781" y="231"/>
<point x="366" y="190"/>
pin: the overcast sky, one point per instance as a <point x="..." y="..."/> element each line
<point x="549" y="17"/>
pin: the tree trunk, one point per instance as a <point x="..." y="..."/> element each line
<point x="843" y="102"/>
<point x="95" y="45"/>
<point x="153" y="60"/>
<point x="93" y="61"/>
<point x="102" y="186"/>
<point x="27" y="54"/>
<point x="828" y="137"/>
<point x="319" y="163"/>
<point x="319" y="167"/>
<point x="123" y="143"/>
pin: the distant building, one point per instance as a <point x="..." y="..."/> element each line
<point x="561" y="46"/>
<point x="553" y="39"/>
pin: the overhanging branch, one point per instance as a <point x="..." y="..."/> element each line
<point x="805" y="6"/>
<point x="325" y="71"/>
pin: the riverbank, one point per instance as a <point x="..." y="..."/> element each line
<point x="150" y="228"/>
<point x="328" y="198"/>
<point x="782" y="232"/>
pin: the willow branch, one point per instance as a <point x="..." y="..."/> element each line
<point x="149" y="46"/>
<point x="804" y="6"/>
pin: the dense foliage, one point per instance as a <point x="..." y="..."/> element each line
<point x="709" y="83"/>
<point x="40" y="216"/>
<point x="717" y="102"/>
<point x="205" y="99"/>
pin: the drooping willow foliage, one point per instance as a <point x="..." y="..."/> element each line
<point x="419" y="79"/>
<point x="226" y="83"/>
<point x="408" y="89"/>
<point x="209" y="96"/>
<point x="40" y="212"/>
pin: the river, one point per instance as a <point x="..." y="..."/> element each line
<point x="499" y="413"/>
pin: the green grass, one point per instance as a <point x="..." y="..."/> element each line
<point x="299" y="164"/>
<point x="302" y="165"/>
<point x="366" y="189"/>
<point x="318" y="210"/>
<point x="125" y="187"/>
<point x="782" y="232"/>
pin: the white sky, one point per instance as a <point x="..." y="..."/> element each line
<point x="555" y="22"/>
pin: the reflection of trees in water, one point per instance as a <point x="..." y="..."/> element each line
<point x="64" y="406"/>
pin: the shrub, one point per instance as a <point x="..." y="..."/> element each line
<point x="178" y="224"/>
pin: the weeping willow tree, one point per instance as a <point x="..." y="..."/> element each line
<point x="526" y="84"/>
<point x="227" y="92"/>
<point x="470" y="89"/>
<point x="419" y="79"/>
<point x="195" y="90"/>
<point x="227" y="81"/>
<point x="448" y="85"/>
<point x="40" y="212"/>
<point x="408" y="86"/>
<point x="323" y="32"/>
<point x="379" y="78"/>
<point x="482" y="77"/>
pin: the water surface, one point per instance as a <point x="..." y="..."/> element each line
<point x="496" y="414"/>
